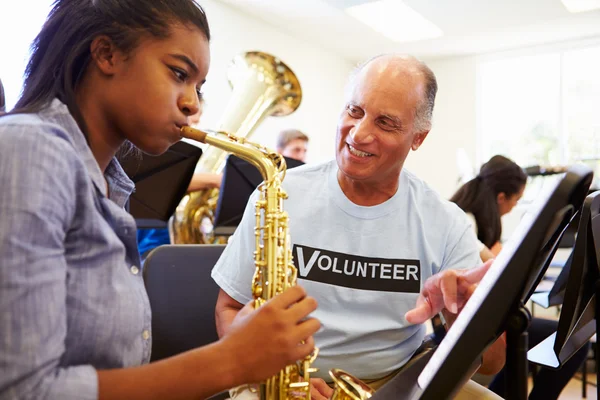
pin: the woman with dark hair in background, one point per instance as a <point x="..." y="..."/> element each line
<point x="74" y="314"/>
<point x="493" y="193"/>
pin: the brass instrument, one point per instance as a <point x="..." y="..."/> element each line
<point x="262" y="86"/>
<point x="347" y="387"/>
<point x="275" y="271"/>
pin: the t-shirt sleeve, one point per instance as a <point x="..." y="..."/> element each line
<point x="473" y="224"/>
<point x="462" y="246"/>
<point x="234" y="270"/>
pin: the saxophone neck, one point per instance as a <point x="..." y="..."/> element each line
<point x="267" y="162"/>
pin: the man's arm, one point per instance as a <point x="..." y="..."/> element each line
<point x="225" y="311"/>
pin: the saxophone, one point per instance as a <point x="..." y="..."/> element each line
<point x="275" y="271"/>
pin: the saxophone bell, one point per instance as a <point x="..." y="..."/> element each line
<point x="347" y="387"/>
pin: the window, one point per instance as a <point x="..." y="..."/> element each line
<point x="542" y="108"/>
<point x="20" y="22"/>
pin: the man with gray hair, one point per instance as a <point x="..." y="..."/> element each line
<point x="380" y="251"/>
<point x="292" y="143"/>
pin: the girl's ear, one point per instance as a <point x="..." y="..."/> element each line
<point x="105" y="56"/>
<point x="501" y="198"/>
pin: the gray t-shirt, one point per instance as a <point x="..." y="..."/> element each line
<point x="364" y="265"/>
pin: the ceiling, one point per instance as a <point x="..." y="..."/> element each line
<point x="469" y="26"/>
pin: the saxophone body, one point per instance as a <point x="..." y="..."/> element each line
<point x="274" y="269"/>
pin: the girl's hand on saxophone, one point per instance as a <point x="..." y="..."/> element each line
<point x="275" y="335"/>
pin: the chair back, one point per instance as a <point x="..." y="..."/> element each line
<point x="183" y="297"/>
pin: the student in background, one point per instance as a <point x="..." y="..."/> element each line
<point x="491" y="194"/>
<point x="293" y="144"/>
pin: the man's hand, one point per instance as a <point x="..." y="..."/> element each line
<point x="448" y="290"/>
<point x="319" y="390"/>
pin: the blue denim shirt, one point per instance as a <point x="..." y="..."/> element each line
<point x="72" y="296"/>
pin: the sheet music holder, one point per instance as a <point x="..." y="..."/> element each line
<point x="240" y="179"/>
<point x="497" y="305"/>
<point x="580" y="310"/>
<point x="160" y="182"/>
<point x="556" y="294"/>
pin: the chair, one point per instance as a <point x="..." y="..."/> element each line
<point x="183" y="297"/>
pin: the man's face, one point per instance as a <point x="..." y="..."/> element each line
<point x="376" y="128"/>
<point x="295" y="149"/>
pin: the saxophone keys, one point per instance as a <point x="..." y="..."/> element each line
<point x="298" y="385"/>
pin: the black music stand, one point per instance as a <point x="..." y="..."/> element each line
<point x="160" y="183"/>
<point x="581" y="306"/>
<point x="240" y="179"/>
<point x="497" y="305"/>
<point x="556" y="294"/>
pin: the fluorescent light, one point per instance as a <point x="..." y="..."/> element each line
<point x="576" y="6"/>
<point x="395" y="20"/>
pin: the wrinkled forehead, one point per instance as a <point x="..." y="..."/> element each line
<point x="384" y="84"/>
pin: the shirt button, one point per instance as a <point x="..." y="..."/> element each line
<point x="146" y="334"/>
<point x="134" y="270"/>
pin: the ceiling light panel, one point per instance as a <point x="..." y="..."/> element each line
<point x="395" y="20"/>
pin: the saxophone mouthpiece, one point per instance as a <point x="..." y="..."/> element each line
<point x="194" y="134"/>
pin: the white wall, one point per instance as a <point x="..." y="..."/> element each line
<point x="454" y="125"/>
<point x="20" y="22"/>
<point x="322" y="76"/>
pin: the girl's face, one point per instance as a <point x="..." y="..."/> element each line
<point x="156" y="87"/>
<point x="507" y="203"/>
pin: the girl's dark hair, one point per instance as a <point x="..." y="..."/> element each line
<point x="61" y="51"/>
<point x="479" y="195"/>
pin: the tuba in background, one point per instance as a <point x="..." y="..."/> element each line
<point x="262" y="86"/>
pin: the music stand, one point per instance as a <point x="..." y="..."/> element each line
<point x="497" y="305"/>
<point x="581" y="305"/>
<point x="160" y="182"/>
<point x="240" y="179"/>
<point x="556" y="294"/>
